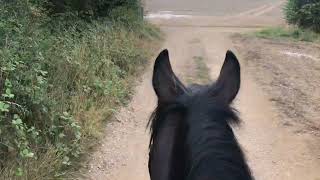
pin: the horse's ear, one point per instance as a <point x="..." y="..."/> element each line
<point x="165" y="83"/>
<point x="229" y="78"/>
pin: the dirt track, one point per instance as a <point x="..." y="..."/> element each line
<point x="274" y="149"/>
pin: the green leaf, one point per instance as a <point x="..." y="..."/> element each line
<point x="66" y="161"/>
<point x="4" y="107"/>
<point x="8" y="83"/>
<point x="61" y="135"/>
<point x="8" y="91"/>
<point x="30" y="155"/>
<point x="8" y="94"/>
<point x="16" y="116"/>
<point x="19" y="172"/>
<point x="17" y="121"/>
<point x="65" y="113"/>
<point x="27" y="153"/>
<point x="43" y="73"/>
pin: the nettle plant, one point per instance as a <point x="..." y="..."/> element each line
<point x="31" y="119"/>
<point x="13" y="126"/>
<point x="24" y="139"/>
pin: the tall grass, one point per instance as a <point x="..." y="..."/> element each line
<point x="61" y="78"/>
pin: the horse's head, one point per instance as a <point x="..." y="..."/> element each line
<point x="192" y="124"/>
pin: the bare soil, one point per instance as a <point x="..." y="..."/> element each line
<point x="278" y="101"/>
<point x="290" y="73"/>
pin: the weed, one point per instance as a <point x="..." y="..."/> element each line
<point x="289" y="33"/>
<point x="202" y="70"/>
<point x="60" y="79"/>
<point x="201" y="74"/>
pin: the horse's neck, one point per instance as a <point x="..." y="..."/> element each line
<point x="205" y="170"/>
<point x="216" y="155"/>
<point x="210" y="139"/>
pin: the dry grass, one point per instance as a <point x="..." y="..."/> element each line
<point x="95" y="62"/>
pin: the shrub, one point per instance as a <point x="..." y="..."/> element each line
<point x="95" y="8"/>
<point x="304" y="13"/>
<point x="60" y="78"/>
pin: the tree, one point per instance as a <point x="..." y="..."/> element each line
<point x="303" y="13"/>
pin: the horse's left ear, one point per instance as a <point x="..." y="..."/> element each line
<point x="165" y="83"/>
<point x="229" y="78"/>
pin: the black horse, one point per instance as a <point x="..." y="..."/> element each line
<point x="191" y="137"/>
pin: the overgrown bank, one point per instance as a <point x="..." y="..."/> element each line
<point x="292" y="33"/>
<point x="62" y="75"/>
<point x="303" y="16"/>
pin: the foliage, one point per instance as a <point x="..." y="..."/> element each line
<point x="94" y="8"/>
<point x="304" y="13"/>
<point x="289" y="33"/>
<point x="60" y="78"/>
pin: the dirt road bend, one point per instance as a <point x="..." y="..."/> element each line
<point x="197" y="36"/>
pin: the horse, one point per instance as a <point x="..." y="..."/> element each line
<point x="191" y="134"/>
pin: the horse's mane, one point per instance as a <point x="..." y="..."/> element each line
<point x="158" y="116"/>
<point x="224" y="116"/>
<point x="230" y="114"/>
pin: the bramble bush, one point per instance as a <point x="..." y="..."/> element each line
<point x="304" y="13"/>
<point x="61" y="76"/>
<point x="94" y="8"/>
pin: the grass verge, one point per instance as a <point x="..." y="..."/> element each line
<point x="201" y="74"/>
<point x="61" y="78"/>
<point x="100" y="70"/>
<point x="290" y="33"/>
<point x="202" y="71"/>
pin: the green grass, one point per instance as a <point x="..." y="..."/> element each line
<point x="61" y="79"/>
<point x="290" y="33"/>
<point x="202" y="71"/>
<point x="90" y="78"/>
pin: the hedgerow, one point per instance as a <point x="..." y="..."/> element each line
<point x="61" y="77"/>
<point x="304" y="13"/>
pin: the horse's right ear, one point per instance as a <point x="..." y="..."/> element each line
<point x="229" y="78"/>
<point x="165" y="83"/>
